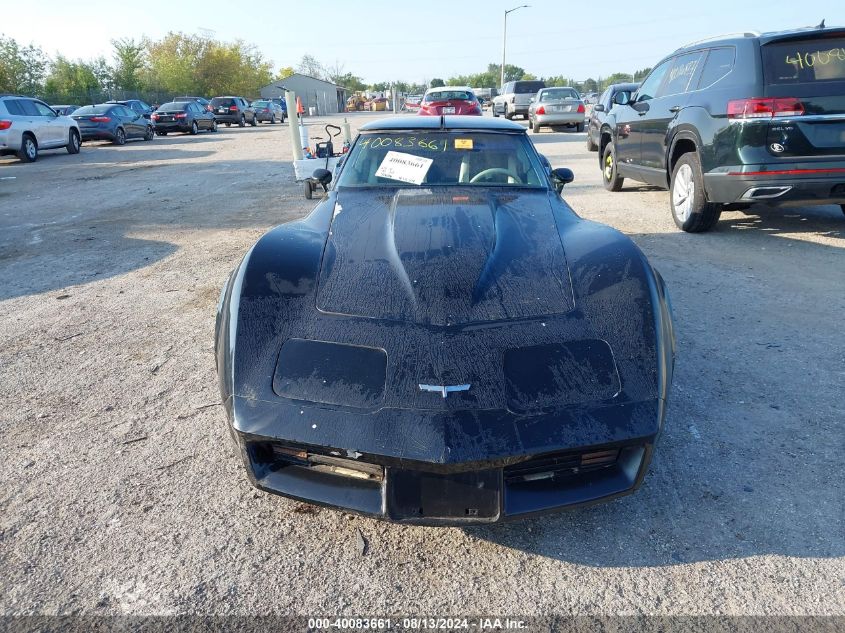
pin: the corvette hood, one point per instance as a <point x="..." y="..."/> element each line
<point x="443" y="258"/>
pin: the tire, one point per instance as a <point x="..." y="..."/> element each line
<point x="273" y="119"/>
<point x="493" y="110"/>
<point x="610" y="178"/>
<point x="228" y="125"/>
<point x="842" y="206"/>
<point x="508" y="115"/>
<point x="309" y="192"/>
<point x="242" y="122"/>
<point x="73" y="142"/>
<point x="254" y="121"/>
<point x="591" y="147"/>
<point x="283" y="117"/>
<point x="688" y="200"/>
<point x="29" y="149"/>
<point x="535" y="126"/>
<point x="214" y="125"/>
<point x="120" y="137"/>
<point x="194" y="128"/>
<point x="579" y="127"/>
<point x="149" y="135"/>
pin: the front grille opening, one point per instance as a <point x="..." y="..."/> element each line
<point x="275" y="455"/>
<point x="561" y="466"/>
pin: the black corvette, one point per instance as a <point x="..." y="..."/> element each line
<point x="442" y="340"/>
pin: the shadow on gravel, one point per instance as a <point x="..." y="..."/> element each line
<point x="749" y="462"/>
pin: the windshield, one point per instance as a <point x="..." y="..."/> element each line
<point x="558" y="94"/>
<point x="449" y="95"/>
<point x="430" y="157"/>
<point x="804" y="61"/>
<point x="172" y="107"/>
<point x="94" y="109"/>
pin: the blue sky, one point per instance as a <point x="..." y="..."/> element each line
<point x="413" y="40"/>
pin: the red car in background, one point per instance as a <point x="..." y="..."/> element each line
<point x="449" y="100"/>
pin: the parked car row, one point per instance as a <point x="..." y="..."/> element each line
<point x="29" y="125"/>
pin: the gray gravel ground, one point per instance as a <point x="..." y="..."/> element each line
<point x="120" y="494"/>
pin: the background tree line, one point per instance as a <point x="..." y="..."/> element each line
<point x="152" y="70"/>
<point x="183" y="64"/>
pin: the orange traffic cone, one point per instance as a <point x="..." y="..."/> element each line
<point x="299" y="108"/>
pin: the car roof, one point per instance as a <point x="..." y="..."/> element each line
<point x="763" y="38"/>
<point x="471" y="123"/>
<point x="447" y="88"/>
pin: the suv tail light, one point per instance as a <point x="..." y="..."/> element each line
<point x="100" y="119"/>
<point x="764" y="108"/>
<point x="154" y="116"/>
<point x="233" y="108"/>
<point x="581" y="108"/>
<point x="540" y="110"/>
<point x="5" y="125"/>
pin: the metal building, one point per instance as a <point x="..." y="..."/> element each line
<point x="324" y="96"/>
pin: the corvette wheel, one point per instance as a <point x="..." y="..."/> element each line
<point x="609" y="176"/>
<point x="687" y="199"/>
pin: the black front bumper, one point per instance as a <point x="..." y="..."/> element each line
<point x="510" y="483"/>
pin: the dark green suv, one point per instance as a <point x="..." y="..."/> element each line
<point x="731" y="121"/>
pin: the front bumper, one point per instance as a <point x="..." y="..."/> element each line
<point x="397" y="483"/>
<point x="560" y="118"/>
<point x="795" y="184"/>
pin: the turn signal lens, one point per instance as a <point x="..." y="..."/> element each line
<point x="581" y="108"/>
<point x="5" y="125"/>
<point x="540" y="110"/>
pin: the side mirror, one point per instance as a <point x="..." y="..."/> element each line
<point x="531" y="100"/>
<point x="622" y="97"/>
<point x="323" y="176"/>
<point x="599" y="107"/>
<point x="562" y="176"/>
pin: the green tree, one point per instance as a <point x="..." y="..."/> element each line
<point x="285" y="72"/>
<point x="74" y="81"/>
<point x="129" y="64"/>
<point x="641" y="74"/>
<point x="348" y="80"/>
<point x="590" y="85"/>
<point x="22" y="68"/>
<point x="436" y="83"/>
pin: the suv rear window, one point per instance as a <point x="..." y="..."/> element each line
<point x="218" y="101"/>
<point x="720" y="61"/>
<point x="804" y="61"/>
<point x="527" y="87"/>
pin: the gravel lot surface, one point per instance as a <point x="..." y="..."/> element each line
<point x="120" y="494"/>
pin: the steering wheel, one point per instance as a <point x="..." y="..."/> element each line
<point x="495" y="171"/>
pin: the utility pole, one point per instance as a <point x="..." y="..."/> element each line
<point x="505" y="40"/>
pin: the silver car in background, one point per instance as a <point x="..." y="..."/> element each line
<point x="28" y="126"/>
<point x="556" y="106"/>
